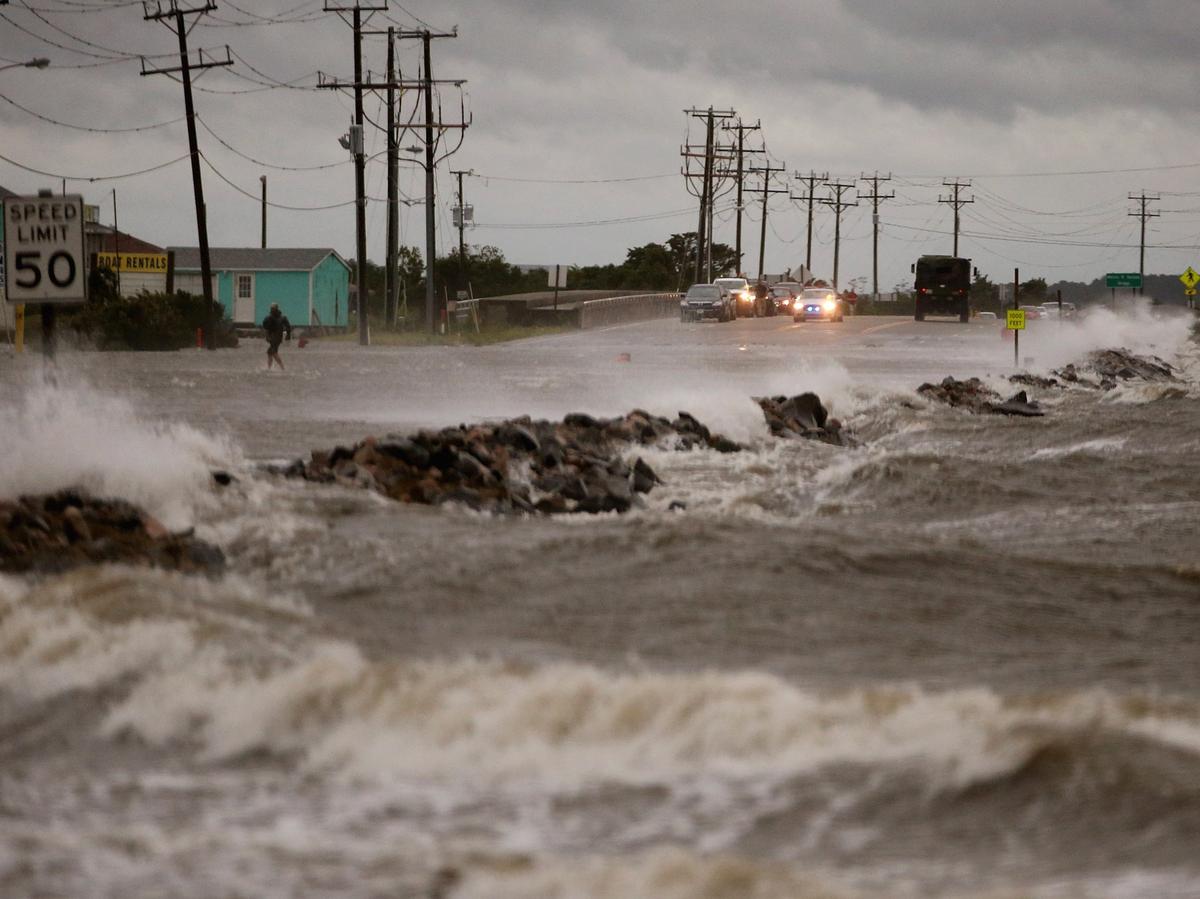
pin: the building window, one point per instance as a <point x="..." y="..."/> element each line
<point x="244" y="287"/>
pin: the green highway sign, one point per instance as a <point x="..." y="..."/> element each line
<point x="1122" y="279"/>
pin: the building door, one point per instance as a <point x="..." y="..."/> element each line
<point x="243" y="303"/>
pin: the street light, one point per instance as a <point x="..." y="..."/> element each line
<point x="39" y="63"/>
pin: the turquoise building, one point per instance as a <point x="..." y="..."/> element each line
<point x="311" y="286"/>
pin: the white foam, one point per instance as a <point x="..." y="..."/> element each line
<point x="667" y="873"/>
<point x="1137" y="393"/>
<point x="1053" y="344"/>
<point x="1099" y="446"/>
<point x="53" y="437"/>
<point x="564" y="726"/>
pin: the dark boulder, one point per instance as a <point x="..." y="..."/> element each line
<point x="69" y="529"/>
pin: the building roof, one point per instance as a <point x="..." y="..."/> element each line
<point x="5" y="193"/>
<point x="249" y="259"/>
<point x="106" y="242"/>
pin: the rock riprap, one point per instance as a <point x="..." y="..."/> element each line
<point x="60" y="531"/>
<point x="519" y="465"/>
<point x="975" y="396"/>
<point x="803" y="417"/>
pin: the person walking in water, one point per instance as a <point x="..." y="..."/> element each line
<point x="275" y="324"/>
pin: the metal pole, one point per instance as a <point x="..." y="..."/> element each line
<point x="210" y="336"/>
<point x="430" y="233"/>
<point x="263" y="179"/>
<point x="393" y="185"/>
<point x="360" y="188"/>
<point x="1016" y="305"/>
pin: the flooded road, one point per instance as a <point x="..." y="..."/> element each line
<point x="958" y="661"/>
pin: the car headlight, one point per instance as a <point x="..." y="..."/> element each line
<point x="830" y="305"/>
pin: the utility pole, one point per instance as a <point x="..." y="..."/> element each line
<point x="957" y="203"/>
<point x="875" y="197"/>
<point x="157" y="11"/>
<point x="703" y="228"/>
<point x="812" y="179"/>
<point x="741" y="174"/>
<point x="766" y="171"/>
<point x="461" y="210"/>
<point x="391" y="295"/>
<point x="117" y="241"/>
<point x="835" y="202"/>
<point x="1143" y="214"/>
<point x="357" y="147"/>
<point x="426" y="84"/>
<point x="263" y="179"/>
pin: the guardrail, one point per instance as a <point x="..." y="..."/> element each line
<point x="618" y="310"/>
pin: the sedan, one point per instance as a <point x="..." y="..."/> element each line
<point x="818" y="304"/>
<point x="783" y="298"/>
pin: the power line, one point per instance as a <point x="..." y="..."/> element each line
<point x="46" y="118"/>
<point x="92" y="178"/>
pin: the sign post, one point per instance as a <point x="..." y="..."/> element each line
<point x="43" y="255"/>
<point x="558" y="278"/>
<point x="1124" y="280"/>
<point x="1190" y="279"/>
<point x="1014" y="320"/>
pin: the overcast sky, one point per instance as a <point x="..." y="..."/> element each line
<point x="1055" y="110"/>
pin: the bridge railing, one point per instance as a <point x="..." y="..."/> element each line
<point x="618" y="310"/>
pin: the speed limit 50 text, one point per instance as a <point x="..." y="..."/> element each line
<point x="43" y="249"/>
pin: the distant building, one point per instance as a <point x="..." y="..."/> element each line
<point x="311" y="286"/>
<point x="143" y="266"/>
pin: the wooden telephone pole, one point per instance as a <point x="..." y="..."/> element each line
<point x="157" y="11"/>
<point x="766" y="171"/>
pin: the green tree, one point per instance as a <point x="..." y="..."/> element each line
<point x="1033" y="291"/>
<point x="983" y="295"/>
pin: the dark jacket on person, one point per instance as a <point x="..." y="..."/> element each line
<point x="275" y="324"/>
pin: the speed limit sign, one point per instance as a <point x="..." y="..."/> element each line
<point x="44" y="250"/>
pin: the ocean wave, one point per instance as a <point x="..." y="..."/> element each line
<point x="562" y="726"/>
<point x="59" y="435"/>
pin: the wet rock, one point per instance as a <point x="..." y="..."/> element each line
<point x="803" y="416"/>
<point x="520" y="465"/>
<point x="223" y="478"/>
<point x="1121" y="364"/>
<point x="971" y="394"/>
<point x="405" y="450"/>
<point x="1018" y="404"/>
<point x="1034" y="381"/>
<point x="677" y="505"/>
<point x="974" y="396"/>
<point x="580" y="420"/>
<point x="69" y="529"/>
<point x="644" y="478"/>
<point x="75" y="525"/>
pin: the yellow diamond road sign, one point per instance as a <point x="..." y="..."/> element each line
<point x="1190" y="278"/>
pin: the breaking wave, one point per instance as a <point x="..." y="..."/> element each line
<point x="55" y="436"/>
<point x="215" y="667"/>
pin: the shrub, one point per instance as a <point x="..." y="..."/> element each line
<point x="149" y="321"/>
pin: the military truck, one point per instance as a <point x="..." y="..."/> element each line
<point x="942" y="287"/>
